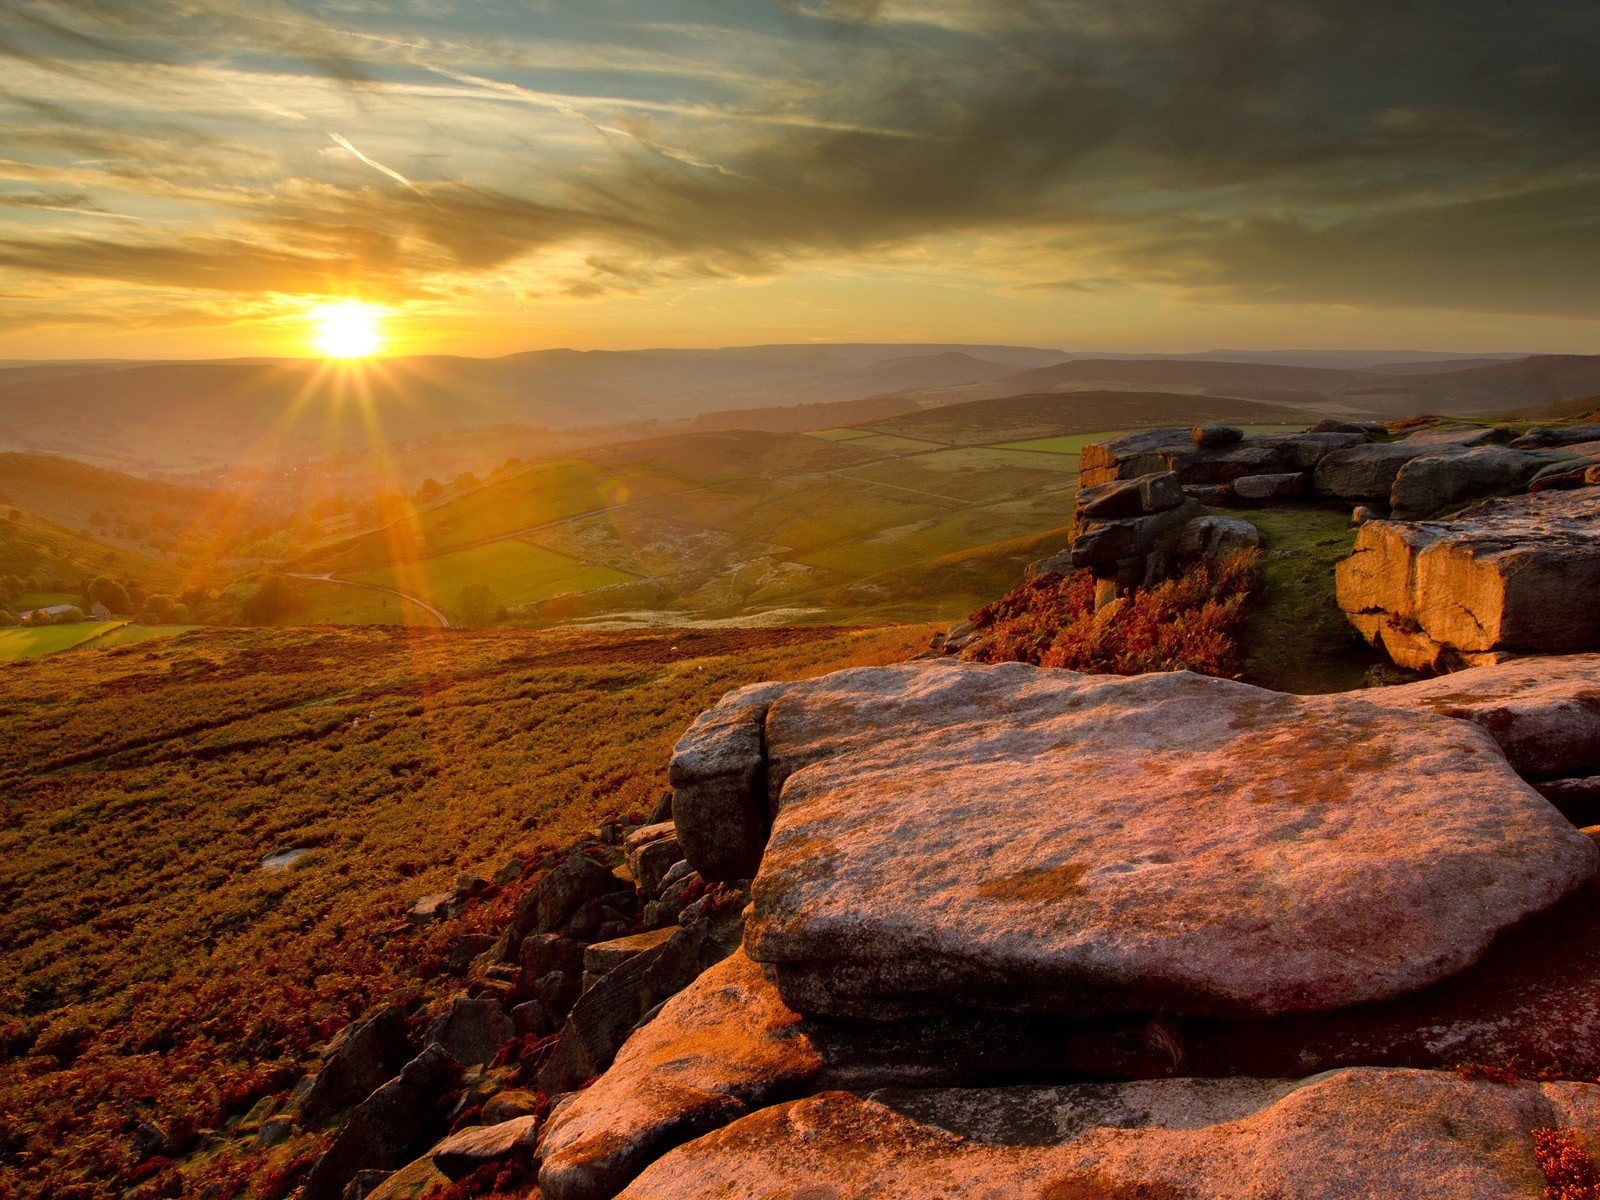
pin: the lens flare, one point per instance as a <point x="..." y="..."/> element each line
<point x="347" y="329"/>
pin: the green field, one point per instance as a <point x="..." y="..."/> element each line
<point x="47" y="639"/>
<point x="515" y="571"/>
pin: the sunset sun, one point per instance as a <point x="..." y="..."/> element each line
<point x="347" y="329"/>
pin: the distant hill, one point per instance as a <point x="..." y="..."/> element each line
<point x="1053" y="414"/>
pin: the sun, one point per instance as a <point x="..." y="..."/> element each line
<point x="347" y="328"/>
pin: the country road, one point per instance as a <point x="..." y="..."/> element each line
<point x="444" y="621"/>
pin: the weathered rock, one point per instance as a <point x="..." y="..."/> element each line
<point x="1285" y="485"/>
<point x="509" y="1105"/>
<point x="1332" y="425"/>
<point x="1217" y="538"/>
<point x="1556" y="435"/>
<point x="1362" y="515"/>
<point x="1578" y="800"/>
<point x="1380" y="851"/>
<point x="1368" y="471"/>
<point x="1215" y="435"/>
<point x="274" y="1132"/>
<point x="530" y="1019"/>
<point x="150" y="1139"/>
<point x="1543" y="711"/>
<point x="719" y="787"/>
<point x="437" y="906"/>
<point x="1429" y="483"/>
<point x="399" y="1116"/>
<point x="1517" y="574"/>
<point x="1374" y="1134"/>
<point x="545" y="952"/>
<point x="712" y="1054"/>
<point x="473" y="1031"/>
<point x="651" y="853"/>
<point x="417" y="1180"/>
<point x="1096" y="543"/>
<point x="462" y="1153"/>
<point x="556" y="993"/>
<point x="555" y="898"/>
<point x="1118" y="498"/>
<point x="361" y="1056"/>
<point x="607" y="1012"/>
<point x="1160" y="450"/>
<point x="604" y="957"/>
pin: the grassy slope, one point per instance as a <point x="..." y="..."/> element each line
<point x="148" y="965"/>
<point x="38" y="547"/>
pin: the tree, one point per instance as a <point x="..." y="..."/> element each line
<point x="158" y="610"/>
<point x="105" y="590"/>
<point x="7" y="618"/>
<point x="268" y="603"/>
<point x="476" y="605"/>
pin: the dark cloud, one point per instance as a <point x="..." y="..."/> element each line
<point x="1426" y="153"/>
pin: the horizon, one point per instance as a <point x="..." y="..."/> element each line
<point x="200" y="181"/>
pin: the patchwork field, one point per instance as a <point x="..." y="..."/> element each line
<point x="150" y="969"/>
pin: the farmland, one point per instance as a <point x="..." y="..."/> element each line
<point x="147" y="964"/>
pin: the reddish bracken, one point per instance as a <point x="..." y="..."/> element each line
<point x="1191" y="623"/>
<point x="1569" y="1170"/>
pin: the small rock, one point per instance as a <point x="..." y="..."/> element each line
<point x="362" y="1056"/>
<point x="546" y="952"/>
<point x="530" y="1019"/>
<point x="678" y="871"/>
<point x="1216" y="538"/>
<point x="473" y="1031"/>
<point x="150" y="1139"/>
<point x="651" y="853"/>
<point x="552" y="901"/>
<point x="1216" y="435"/>
<point x="365" y="1183"/>
<point x="435" y="907"/>
<point x="663" y="809"/>
<point x="1361" y="516"/>
<point x="1280" y="486"/>
<point x="274" y="1132"/>
<point x="466" y="948"/>
<point x="509" y="873"/>
<point x="557" y="991"/>
<point x="604" y="957"/>
<point x="462" y="1153"/>
<point x="468" y="884"/>
<point x="509" y="1105"/>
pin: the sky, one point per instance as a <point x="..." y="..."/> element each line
<point x="188" y="178"/>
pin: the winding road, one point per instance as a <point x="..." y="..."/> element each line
<point x="444" y="621"/>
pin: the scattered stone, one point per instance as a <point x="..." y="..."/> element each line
<point x="150" y="1139"/>
<point x="604" y="957"/>
<point x="1362" y="515"/>
<point x="1381" y="850"/>
<point x="398" y="1116"/>
<point x="1517" y="574"/>
<point x="1216" y="435"/>
<point x="1427" y="484"/>
<point x="604" y="1015"/>
<point x="1377" y="1134"/>
<point x="369" y="1183"/>
<point x="435" y="907"/>
<point x="473" y="1031"/>
<point x="1331" y="425"/>
<point x="546" y="952"/>
<point x="555" y="898"/>
<point x="284" y="859"/>
<point x="652" y="851"/>
<point x="509" y="873"/>
<point x="1216" y="538"/>
<point x="509" y="1105"/>
<point x="557" y="992"/>
<point x="530" y="1019"/>
<point x="274" y="1132"/>
<point x="462" y="1153"/>
<point x="418" y="1180"/>
<point x="712" y="1054"/>
<point x="1097" y="543"/>
<point x="1367" y="471"/>
<point x="1286" y="485"/>
<point x="663" y="809"/>
<point x="362" y="1056"/>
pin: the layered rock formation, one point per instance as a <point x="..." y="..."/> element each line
<point x="1508" y="576"/>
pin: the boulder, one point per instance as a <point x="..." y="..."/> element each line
<point x="1374" y="1134"/>
<point x="607" y="1012"/>
<point x="417" y="1180"/>
<point x="474" y="1030"/>
<point x="509" y="1105"/>
<point x="1367" y="471"/>
<point x="1366" y="429"/>
<point x="425" y="910"/>
<point x="1096" y="543"/>
<point x="719" y="787"/>
<point x="604" y="957"/>
<point x="1215" y="435"/>
<point x="462" y="1153"/>
<point x="1512" y="575"/>
<point x="1544" y="712"/>
<point x="363" y="1055"/>
<point x="542" y="953"/>
<point x="1556" y="435"/>
<point x="1217" y="538"/>
<point x="651" y="851"/>
<point x="560" y="893"/>
<point x="1427" y="484"/>
<point x="1282" y="486"/>
<point x="712" y="1054"/>
<point x="1153" y="451"/>
<point x="400" y="1115"/>
<point x="1025" y="839"/>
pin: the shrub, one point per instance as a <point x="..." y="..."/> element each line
<point x="1569" y="1171"/>
<point x="1189" y="623"/>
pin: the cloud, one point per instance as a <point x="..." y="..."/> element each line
<point x="1429" y="154"/>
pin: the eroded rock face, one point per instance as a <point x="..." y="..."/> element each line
<point x="719" y="786"/>
<point x="1512" y="575"/>
<point x="1376" y="1134"/>
<point x="1429" y="483"/>
<point x="1014" y="838"/>
<point x="1212" y="462"/>
<point x="714" y="1052"/>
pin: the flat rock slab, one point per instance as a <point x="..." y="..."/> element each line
<point x="717" y="1049"/>
<point x="1374" y="1134"/>
<point x="1015" y="838"/>
<point x="1544" y="711"/>
<point x="1514" y="575"/>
